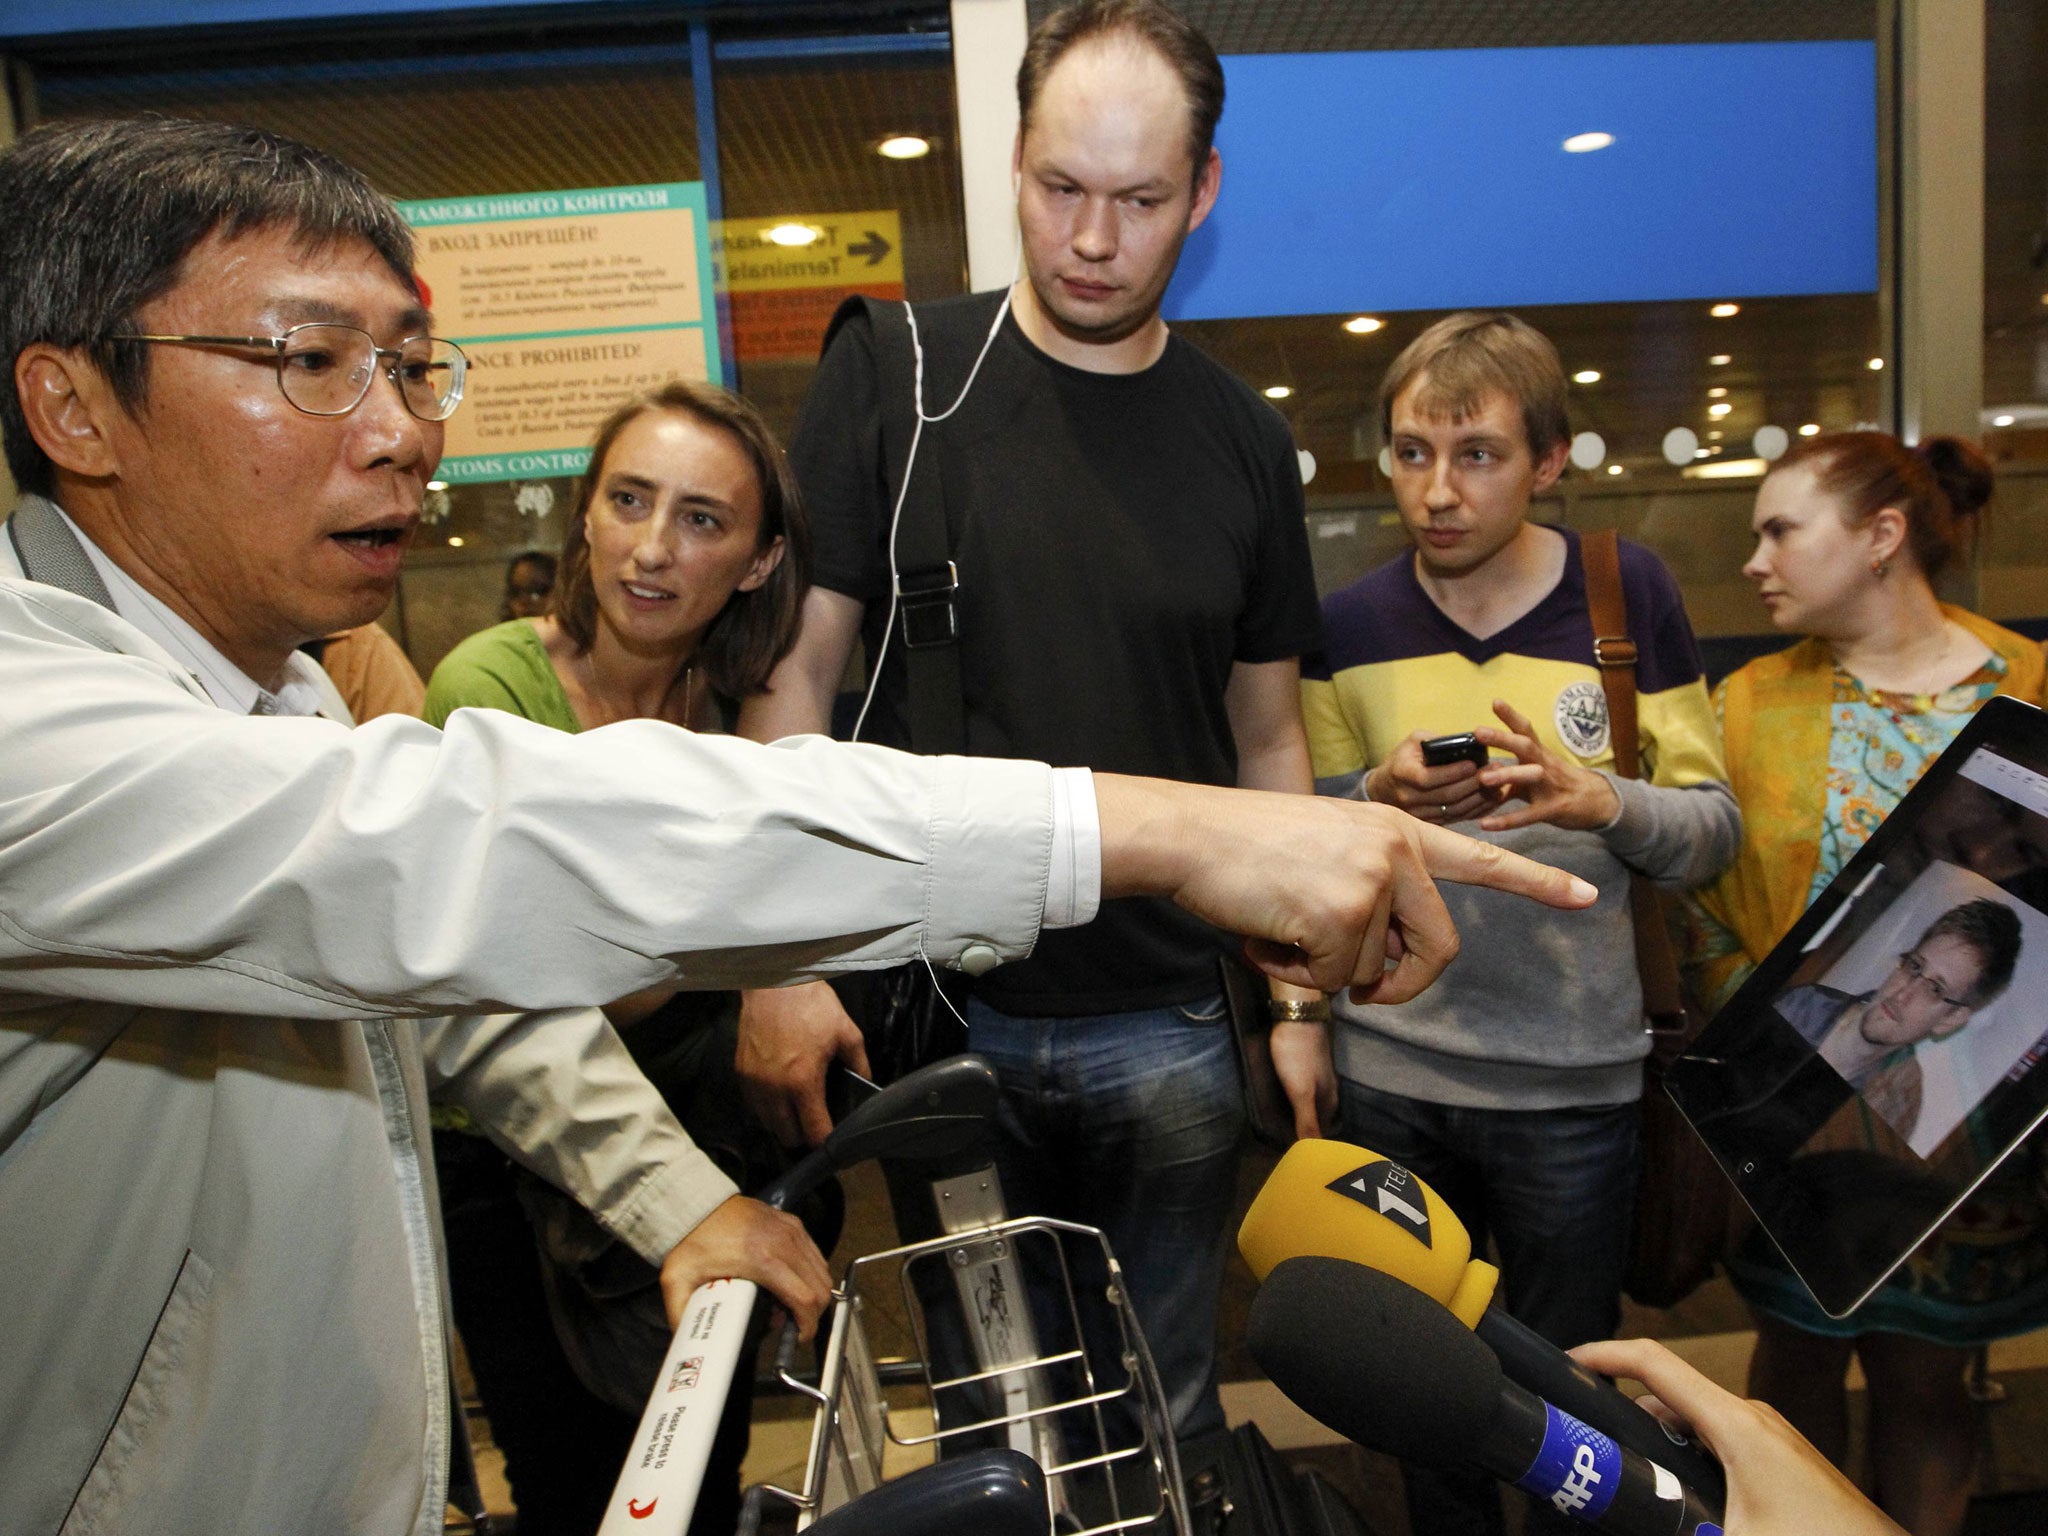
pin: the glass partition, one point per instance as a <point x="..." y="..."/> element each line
<point x="799" y="119"/>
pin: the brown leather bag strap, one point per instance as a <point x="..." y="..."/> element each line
<point x="1615" y="653"/>
<point x="1613" y="650"/>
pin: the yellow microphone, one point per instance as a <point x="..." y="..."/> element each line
<point x="1333" y="1200"/>
<point x="1337" y="1201"/>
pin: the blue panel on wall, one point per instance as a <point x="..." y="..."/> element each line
<point x="1437" y="179"/>
<point x="51" y="18"/>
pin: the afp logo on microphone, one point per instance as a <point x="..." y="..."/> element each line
<point x="1577" y="1470"/>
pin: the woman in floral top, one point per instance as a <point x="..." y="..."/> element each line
<point x="1823" y="740"/>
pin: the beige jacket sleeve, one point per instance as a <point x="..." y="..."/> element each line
<point x="158" y="851"/>
<point x="559" y="1093"/>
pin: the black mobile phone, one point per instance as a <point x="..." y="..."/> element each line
<point x="1442" y="751"/>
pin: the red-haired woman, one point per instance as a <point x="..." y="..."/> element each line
<point x="1823" y="740"/>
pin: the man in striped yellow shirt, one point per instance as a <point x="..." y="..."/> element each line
<point x="1512" y="1086"/>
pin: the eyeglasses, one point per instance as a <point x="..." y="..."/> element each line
<point x="1917" y="976"/>
<point x="326" y="369"/>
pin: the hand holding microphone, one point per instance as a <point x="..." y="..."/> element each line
<point x="1386" y="1366"/>
<point x="1779" y="1485"/>
<point x="1340" y="1201"/>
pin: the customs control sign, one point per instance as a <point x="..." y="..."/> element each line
<point x="567" y="303"/>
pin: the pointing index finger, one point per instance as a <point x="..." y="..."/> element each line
<point x="1453" y="856"/>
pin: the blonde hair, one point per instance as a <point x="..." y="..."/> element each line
<point x="1464" y="357"/>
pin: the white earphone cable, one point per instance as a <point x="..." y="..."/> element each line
<point x="909" y="466"/>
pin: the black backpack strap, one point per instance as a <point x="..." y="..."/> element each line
<point x="50" y="553"/>
<point x="926" y="576"/>
<point x="927" y="580"/>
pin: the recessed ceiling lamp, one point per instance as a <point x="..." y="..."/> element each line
<point x="455" y="541"/>
<point x="1586" y="143"/>
<point x="1724" y="311"/>
<point x="1614" y="469"/>
<point x="792" y="234"/>
<point x="437" y="485"/>
<point x="1586" y="376"/>
<point x="2001" y="421"/>
<point x="1811" y="429"/>
<point x="1364" y="325"/>
<point x="1719" y="409"/>
<point x="1875" y="365"/>
<point x="1718" y="392"/>
<point x="1719" y="360"/>
<point x="1279" y="391"/>
<point x="904" y="146"/>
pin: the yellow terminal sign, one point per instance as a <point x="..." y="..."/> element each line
<point x="853" y="251"/>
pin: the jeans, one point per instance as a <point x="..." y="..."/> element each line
<point x="1132" y="1123"/>
<point x="1555" y="1191"/>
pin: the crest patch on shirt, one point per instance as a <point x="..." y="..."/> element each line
<point x="1581" y="718"/>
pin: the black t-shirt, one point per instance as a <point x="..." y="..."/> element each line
<point x="1122" y="540"/>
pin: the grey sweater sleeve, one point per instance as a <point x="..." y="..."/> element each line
<point x="1680" y="837"/>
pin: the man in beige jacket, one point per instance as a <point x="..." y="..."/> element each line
<point x="241" y="943"/>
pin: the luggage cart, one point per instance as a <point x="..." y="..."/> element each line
<point x="1088" y="1410"/>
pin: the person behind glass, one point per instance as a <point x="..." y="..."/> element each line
<point x="529" y="586"/>
<point x="1963" y="962"/>
<point x="683" y="570"/>
<point x="1823" y="740"/>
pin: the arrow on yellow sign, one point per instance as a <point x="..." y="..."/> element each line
<point x="844" y="250"/>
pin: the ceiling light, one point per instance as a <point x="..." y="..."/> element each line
<point x="1723" y="311"/>
<point x="1701" y="453"/>
<point x="1719" y="360"/>
<point x="437" y="485"/>
<point x="1714" y="436"/>
<point x="1725" y="469"/>
<point x="1364" y="325"/>
<point x="1718" y="392"/>
<point x="1279" y="391"/>
<point x="1614" y="469"/>
<point x="1719" y="409"/>
<point x="1811" y="429"/>
<point x="2001" y="421"/>
<point x="904" y="146"/>
<point x="455" y="541"/>
<point x="1875" y="365"/>
<point x="792" y="234"/>
<point x="1586" y="376"/>
<point x="1586" y="143"/>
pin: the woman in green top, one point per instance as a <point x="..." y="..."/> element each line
<point x="682" y="575"/>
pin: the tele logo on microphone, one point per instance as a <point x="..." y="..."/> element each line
<point x="1392" y="1191"/>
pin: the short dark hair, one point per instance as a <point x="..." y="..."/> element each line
<point x="539" y="558"/>
<point x="1939" y="486"/>
<point x="100" y="216"/>
<point x="1465" y="355"/>
<point x="754" y="630"/>
<point x="1992" y="929"/>
<point x="1177" y="40"/>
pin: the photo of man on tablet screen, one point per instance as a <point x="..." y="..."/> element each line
<point x="1961" y="963"/>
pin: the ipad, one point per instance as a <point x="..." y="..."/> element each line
<point x="1893" y="1049"/>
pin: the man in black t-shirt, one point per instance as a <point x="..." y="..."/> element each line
<point x="1126" y="520"/>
